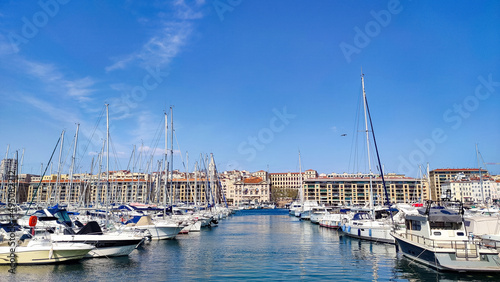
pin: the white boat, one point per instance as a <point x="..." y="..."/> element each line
<point x="107" y="244"/>
<point x="437" y="238"/>
<point x="366" y="225"/>
<point x="334" y="219"/>
<point x="363" y="226"/>
<point x="307" y="209"/>
<point x="42" y="251"/>
<point x="158" y="229"/>
<point x="296" y="205"/>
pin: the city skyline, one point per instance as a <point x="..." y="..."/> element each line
<point x="253" y="83"/>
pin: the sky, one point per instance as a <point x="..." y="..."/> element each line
<point x="251" y="82"/>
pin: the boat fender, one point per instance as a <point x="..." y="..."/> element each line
<point x="33" y="220"/>
<point x="349" y="229"/>
<point x="370" y="232"/>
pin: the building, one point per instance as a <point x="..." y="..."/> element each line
<point x="350" y="191"/>
<point x="439" y="176"/>
<point x="290" y="180"/>
<point x="251" y="189"/>
<point x="471" y="189"/>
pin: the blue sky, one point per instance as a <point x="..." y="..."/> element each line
<point x="252" y="82"/>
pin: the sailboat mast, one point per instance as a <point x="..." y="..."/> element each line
<point x="171" y="152"/>
<point x="68" y="194"/>
<point x="165" y="166"/>
<point x="56" y="192"/>
<point x="107" y="163"/>
<point x="301" y="191"/>
<point x="480" y="175"/>
<point x="195" y="182"/>
<point x="367" y="141"/>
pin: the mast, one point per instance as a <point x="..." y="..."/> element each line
<point x="428" y="180"/>
<point x="480" y="176"/>
<point x="165" y="167"/>
<point x="171" y="152"/>
<point x="107" y="163"/>
<point x="99" y="184"/>
<point x="367" y="142"/>
<point x="133" y="166"/>
<point x="20" y="171"/>
<point x="301" y="191"/>
<point x="68" y="194"/>
<point x="195" y="182"/>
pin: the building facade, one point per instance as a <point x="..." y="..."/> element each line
<point x="439" y="176"/>
<point x="251" y="189"/>
<point x="471" y="190"/>
<point x="351" y="191"/>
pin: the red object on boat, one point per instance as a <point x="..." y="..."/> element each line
<point x="33" y="221"/>
<point x="418" y="205"/>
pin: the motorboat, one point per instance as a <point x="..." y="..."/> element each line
<point x="437" y="237"/>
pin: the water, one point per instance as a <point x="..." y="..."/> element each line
<point x="253" y="245"/>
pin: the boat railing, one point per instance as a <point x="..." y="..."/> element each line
<point x="462" y="248"/>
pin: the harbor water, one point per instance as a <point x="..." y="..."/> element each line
<point x="252" y="245"/>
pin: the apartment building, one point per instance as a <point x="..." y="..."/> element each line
<point x="439" y="176"/>
<point x="340" y="191"/>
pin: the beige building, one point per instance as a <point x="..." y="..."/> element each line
<point x="439" y="176"/>
<point x="291" y="179"/>
<point x="251" y="189"/>
<point x="342" y="191"/>
<point x="471" y="189"/>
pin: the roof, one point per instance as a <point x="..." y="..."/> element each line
<point x="252" y="180"/>
<point x="458" y="169"/>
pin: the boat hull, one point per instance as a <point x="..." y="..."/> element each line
<point x="105" y="245"/>
<point x="44" y="255"/>
<point x="380" y="234"/>
<point x="446" y="259"/>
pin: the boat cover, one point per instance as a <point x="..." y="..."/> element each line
<point x="91" y="227"/>
<point x="441" y="214"/>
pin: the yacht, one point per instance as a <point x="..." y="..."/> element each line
<point x="437" y="237"/>
<point x="40" y="250"/>
<point x="109" y="244"/>
<point x="364" y="226"/>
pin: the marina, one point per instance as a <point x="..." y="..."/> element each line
<point x="251" y="245"/>
<point x="228" y="140"/>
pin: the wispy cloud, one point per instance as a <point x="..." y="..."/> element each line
<point x="166" y="43"/>
<point x="5" y="46"/>
<point x="56" y="113"/>
<point x="188" y="12"/>
<point x="80" y="88"/>
<point x="48" y="74"/>
<point x="159" y="49"/>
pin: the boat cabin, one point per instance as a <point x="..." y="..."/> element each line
<point x="437" y="223"/>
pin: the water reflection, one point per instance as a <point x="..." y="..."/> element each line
<point x="253" y="245"/>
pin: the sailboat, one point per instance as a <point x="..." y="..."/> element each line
<point x="369" y="224"/>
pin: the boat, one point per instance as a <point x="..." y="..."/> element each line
<point x="318" y="212"/>
<point x="367" y="224"/>
<point x="334" y="219"/>
<point x="40" y="250"/>
<point x="437" y="237"/>
<point x="307" y="209"/>
<point x="110" y="244"/>
<point x="295" y="206"/>
<point x="364" y="226"/>
<point x="158" y="230"/>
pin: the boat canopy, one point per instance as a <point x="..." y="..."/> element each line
<point x="441" y="214"/>
<point x="91" y="228"/>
